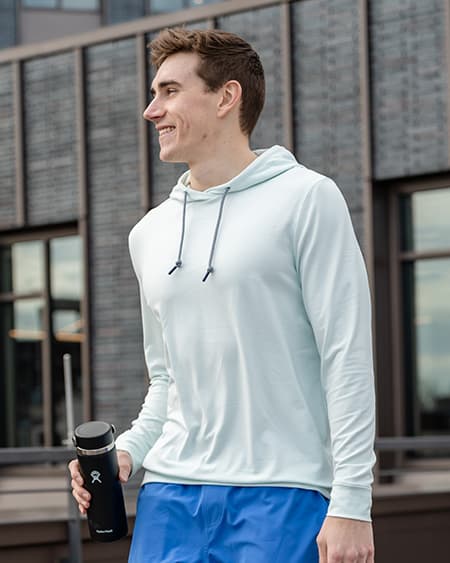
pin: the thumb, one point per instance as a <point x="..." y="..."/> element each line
<point x="125" y="465"/>
<point x="124" y="473"/>
<point x="322" y="547"/>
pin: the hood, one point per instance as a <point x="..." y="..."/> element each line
<point x="269" y="164"/>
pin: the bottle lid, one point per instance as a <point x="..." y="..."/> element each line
<point x="93" y="435"/>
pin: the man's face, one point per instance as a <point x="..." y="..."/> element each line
<point x="182" y="110"/>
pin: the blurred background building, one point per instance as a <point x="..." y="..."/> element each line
<point x="358" y="89"/>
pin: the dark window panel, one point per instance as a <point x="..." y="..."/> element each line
<point x="21" y="408"/>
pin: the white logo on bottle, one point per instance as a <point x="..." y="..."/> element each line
<point x="95" y="476"/>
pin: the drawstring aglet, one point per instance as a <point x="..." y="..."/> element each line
<point x="210" y="270"/>
<point x="177" y="265"/>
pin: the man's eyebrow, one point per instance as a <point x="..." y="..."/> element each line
<point x="164" y="84"/>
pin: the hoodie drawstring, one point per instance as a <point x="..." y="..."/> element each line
<point x="178" y="263"/>
<point x="210" y="268"/>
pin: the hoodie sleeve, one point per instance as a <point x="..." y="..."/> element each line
<point x="147" y="427"/>
<point x="336" y="295"/>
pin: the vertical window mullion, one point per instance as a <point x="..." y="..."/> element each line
<point x="412" y="423"/>
<point x="47" y="353"/>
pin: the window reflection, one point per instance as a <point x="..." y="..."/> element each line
<point x="162" y="6"/>
<point x="27" y="267"/>
<point x="429" y="286"/>
<point x="88" y="5"/>
<point x="66" y="268"/>
<point x="28" y="319"/>
<point x="40" y="3"/>
<point x="194" y="3"/>
<point x="425" y="220"/>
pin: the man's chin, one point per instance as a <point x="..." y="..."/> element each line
<point x="167" y="157"/>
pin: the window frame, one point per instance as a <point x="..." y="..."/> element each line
<point x="402" y="402"/>
<point x="46" y="358"/>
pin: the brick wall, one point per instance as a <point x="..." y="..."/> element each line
<point x="327" y="112"/>
<point x="112" y="135"/>
<point x="50" y="139"/>
<point x="7" y="154"/>
<point x="261" y="28"/>
<point x="409" y="87"/>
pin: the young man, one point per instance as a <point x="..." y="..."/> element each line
<point x="256" y="434"/>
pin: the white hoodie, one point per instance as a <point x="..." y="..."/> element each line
<point x="261" y="374"/>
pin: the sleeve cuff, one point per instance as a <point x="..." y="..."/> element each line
<point x="136" y="463"/>
<point x="351" y="502"/>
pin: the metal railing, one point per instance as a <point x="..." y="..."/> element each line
<point x="413" y="443"/>
<point x="407" y="447"/>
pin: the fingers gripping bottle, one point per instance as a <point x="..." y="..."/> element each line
<point x="97" y="456"/>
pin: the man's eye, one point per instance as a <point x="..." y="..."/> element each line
<point x="171" y="90"/>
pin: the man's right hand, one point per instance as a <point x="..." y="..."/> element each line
<point x="81" y="495"/>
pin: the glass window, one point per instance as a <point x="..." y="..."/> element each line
<point x="194" y="3"/>
<point x="86" y="5"/>
<point x="21" y="337"/>
<point x="22" y="267"/>
<point x="24" y="338"/>
<point x="40" y="3"/>
<point x="425" y="227"/>
<point x="79" y="5"/>
<point x="427" y="283"/>
<point x="426" y="220"/>
<point x="66" y="268"/>
<point x="163" y="6"/>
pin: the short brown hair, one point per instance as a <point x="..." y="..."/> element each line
<point x="224" y="56"/>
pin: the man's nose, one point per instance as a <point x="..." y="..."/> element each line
<point x="153" y="111"/>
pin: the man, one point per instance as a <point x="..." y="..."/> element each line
<point x="256" y="434"/>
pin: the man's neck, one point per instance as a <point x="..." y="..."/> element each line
<point x="219" y="168"/>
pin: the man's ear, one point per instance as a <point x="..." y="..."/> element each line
<point x="230" y="98"/>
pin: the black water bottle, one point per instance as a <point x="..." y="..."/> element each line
<point x="97" y="456"/>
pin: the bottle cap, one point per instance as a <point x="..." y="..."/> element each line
<point x="93" y="435"/>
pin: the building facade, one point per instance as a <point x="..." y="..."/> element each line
<point x="358" y="89"/>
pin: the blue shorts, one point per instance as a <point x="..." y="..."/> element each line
<point x="222" y="524"/>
